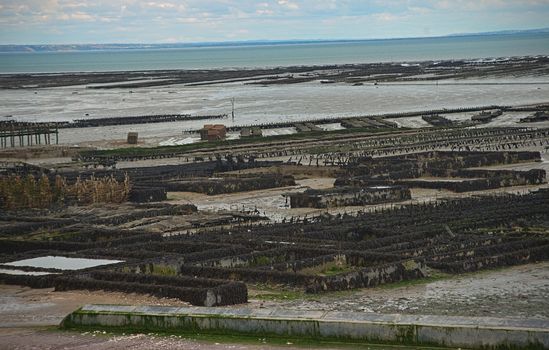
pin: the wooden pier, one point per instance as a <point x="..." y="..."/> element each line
<point x="18" y="134"/>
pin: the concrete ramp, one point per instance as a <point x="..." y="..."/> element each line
<point x="451" y="331"/>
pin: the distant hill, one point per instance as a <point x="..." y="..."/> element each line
<point x="506" y="32"/>
<point x="104" y="47"/>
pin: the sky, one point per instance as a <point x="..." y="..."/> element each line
<point x="170" y="21"/>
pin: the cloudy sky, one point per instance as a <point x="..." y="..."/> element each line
<point x="155" y="21"/>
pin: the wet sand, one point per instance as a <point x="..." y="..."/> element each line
<point x="24" y="306"/>
<point x="515" y="292"/>
<point x="253" y="105"/>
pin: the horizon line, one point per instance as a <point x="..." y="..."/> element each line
<point x="282" y="41"/>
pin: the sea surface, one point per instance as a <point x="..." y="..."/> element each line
<point x="247" y="56"/>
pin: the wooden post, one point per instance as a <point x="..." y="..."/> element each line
<point x="232" y="109"/>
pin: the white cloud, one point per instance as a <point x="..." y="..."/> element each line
<point x="188" y="20"/>
<point x="76" y="16"/>
<point x="386" y="17"/>
<point x="161" y="5"/>
<point x="266" y="12"/>
<point x="158" y="20"/>
<point x="74" y="4"/>
<point x="288" y="4"/>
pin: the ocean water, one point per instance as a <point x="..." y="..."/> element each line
<point x="246" y="56"/>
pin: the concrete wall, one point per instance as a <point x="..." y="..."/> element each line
<point x="484" y="332"/>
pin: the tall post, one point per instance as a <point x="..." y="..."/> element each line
<point x="232" y="110"/>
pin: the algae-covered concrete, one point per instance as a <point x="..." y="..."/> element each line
<point x="452" y="331"/>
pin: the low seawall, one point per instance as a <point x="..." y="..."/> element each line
<point x="451" y="331"/>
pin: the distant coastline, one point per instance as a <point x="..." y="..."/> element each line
<point x="16" y="48"/>
<point x="270" y="54"/>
